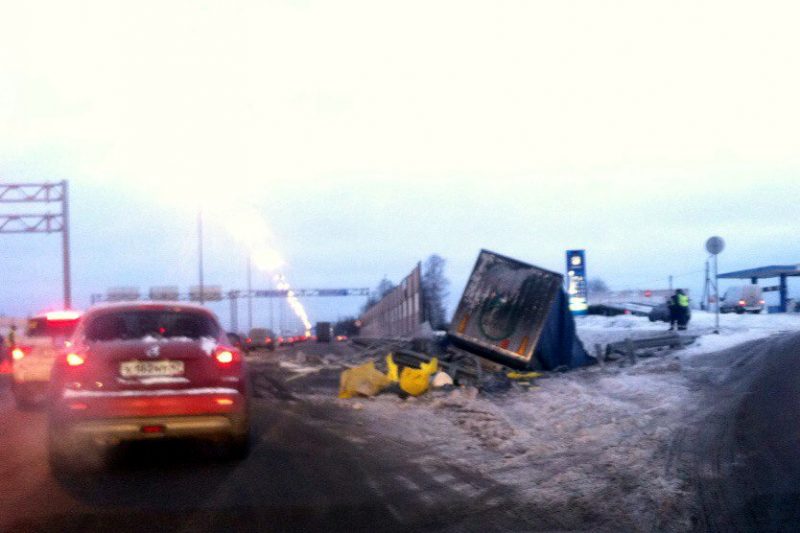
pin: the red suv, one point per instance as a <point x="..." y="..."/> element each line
<point x="146" y="371"/>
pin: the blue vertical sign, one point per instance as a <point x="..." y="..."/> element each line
<point x="576" y="282"/>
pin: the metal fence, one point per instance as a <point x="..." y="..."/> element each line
<point x="400" y="313"/>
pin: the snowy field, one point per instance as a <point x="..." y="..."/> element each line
<point x="590" y="445"/>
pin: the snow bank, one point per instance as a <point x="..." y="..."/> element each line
<point x="734" y="329"/>
<point x="592" y="442"/>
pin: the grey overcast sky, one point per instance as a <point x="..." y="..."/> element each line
<point x="339" y="142"/>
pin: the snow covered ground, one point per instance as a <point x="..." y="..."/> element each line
<point x="734" y="329"/>
<point x="591" y="445"/>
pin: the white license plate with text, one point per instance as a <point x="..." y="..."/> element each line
<point x="150" y="368"/>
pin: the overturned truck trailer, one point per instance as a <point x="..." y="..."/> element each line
<point x="517" y="314"/>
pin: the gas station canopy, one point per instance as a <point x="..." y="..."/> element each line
<point x="774" y="271"/>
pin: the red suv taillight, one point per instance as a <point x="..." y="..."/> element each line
<point x="226" y="356"/>
<point x="19" y="352"/>
<point x="74" y="359"/>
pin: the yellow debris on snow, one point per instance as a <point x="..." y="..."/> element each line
<point x="392" y="372"/>
<point x="524" y="375"/>
<point x="364" y="380"/>
<point x="415" y="381"/>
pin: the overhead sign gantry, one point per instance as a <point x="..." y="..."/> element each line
<point x="40" y="193"/>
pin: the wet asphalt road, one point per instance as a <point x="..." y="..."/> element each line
<point x="745" y="445"/>
<point x="308" y="471"/>
<point x="314" y="469"/>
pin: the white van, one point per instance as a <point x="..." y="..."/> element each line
<point x="742" y="299"/>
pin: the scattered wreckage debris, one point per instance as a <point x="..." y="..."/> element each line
<point x="265" y="386"/>
<point x="511" y="316"/>
<point x="364" y="380"/>
<point x="410" y="373"/>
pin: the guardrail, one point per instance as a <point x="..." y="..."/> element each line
<point x="633" y="348"/>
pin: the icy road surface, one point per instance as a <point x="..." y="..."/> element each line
<point x="638" y="448"/>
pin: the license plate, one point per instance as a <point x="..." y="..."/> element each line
<point x="150" y="368"/>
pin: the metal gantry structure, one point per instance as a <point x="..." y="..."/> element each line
<point x="40" y="193"/>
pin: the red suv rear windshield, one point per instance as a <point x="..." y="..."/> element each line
<point x="44" y="327"/>
<point x="138" y="324"/>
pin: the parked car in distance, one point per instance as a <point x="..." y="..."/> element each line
<point x="237" y="341"/>
<point x="34" y="353"/>
<point x="742" y="299"/>
<point x="260" y="338"/>
<point x="660" y="312"/>
<point x="138" y="371"/>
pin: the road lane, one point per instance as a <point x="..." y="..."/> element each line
<point x="746" y="443"/>
<point x="307" y="471"/>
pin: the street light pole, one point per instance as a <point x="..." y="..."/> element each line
<point x="65" y="245"/>
<point x="249" y="293"/>
<point x="200" y="248"/>
<point x="714" y="246"/>
<point x="716" y="295"/>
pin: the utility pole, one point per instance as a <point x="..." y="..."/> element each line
<point x="706" y="290"/>
<point x="714" y="246"/>
<point x="234" y="297"/>
<point x="716" y="295"/>
<point x="65" y="245"/>
<point x="670" y="282"/>
<point x="272" y="314"/>
<point x="249" y="293"/>
<point x="200" y="248"/>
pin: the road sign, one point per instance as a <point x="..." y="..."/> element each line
<point x="715" y="245"/>
<point x="164" y="293"/>
<point x="303" y="293"/>
<point x="122" y="294"/>
<point x="576" y="282"/>
<point x="270" y="294"/>
<point x="211" y="293"/>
